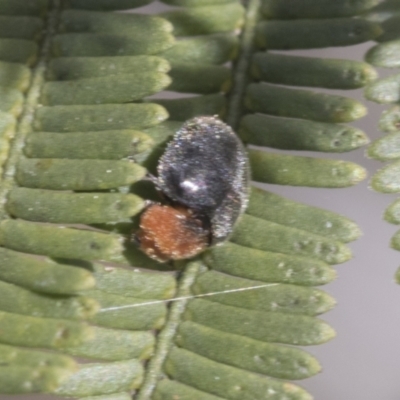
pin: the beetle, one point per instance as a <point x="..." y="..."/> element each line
<point x="204" y="177"/>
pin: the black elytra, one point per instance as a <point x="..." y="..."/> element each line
<point x="205" y="169"/>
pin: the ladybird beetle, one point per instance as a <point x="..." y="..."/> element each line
<point x="204" y="177"/>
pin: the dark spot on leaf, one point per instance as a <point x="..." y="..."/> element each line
<point x="95" y="246"/>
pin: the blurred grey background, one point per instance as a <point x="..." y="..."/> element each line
<point x="363" y="362"/>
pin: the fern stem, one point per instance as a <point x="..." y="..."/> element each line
<point x="165" y="337"/>
<point x="240" y="79"/>
<point x="31" y="102"/>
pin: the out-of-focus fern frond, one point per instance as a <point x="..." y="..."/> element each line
<point x="386" y="54"/>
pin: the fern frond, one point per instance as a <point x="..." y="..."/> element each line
<point x="70" y="192"/>
<point x="386" y="91"/>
